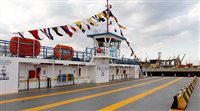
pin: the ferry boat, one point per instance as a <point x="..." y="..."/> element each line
<point x="25" y="64"/>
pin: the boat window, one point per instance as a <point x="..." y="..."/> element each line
<point x="100" y="44"/>
<point x="107" y="40"/>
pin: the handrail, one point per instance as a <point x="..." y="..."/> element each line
<point x="47" y="52"/>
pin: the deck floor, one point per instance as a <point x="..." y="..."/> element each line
<point x="153" y="94"/>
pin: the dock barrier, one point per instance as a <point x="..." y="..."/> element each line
<point x="181" y="99"/>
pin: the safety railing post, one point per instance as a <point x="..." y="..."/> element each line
<point x="43" y="49"/>
<point x="83" y="56"/>
<point x="34" y="49"/>
<point x="46" y="52"/>
<point x="104" y="51"/>
<point x="60" y="53"/>
<point x="18" y="47"/>
<point x="86" y="55"/>
<point x="77" y="55"/>
<point x="5" y="52"/>
<point x="95" y="53"/>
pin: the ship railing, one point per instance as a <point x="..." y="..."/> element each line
<point x="4" y="46"/>
<point x="45" y="52"/>
<point x="123" y="60"/>
<point x="88" y="53"/>
<point x="48" y="53"/>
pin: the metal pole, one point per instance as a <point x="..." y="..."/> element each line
<point x="78" y="75"/>
<point x="18" y="47"/>
<point x="33" y="48"/>
<point x="107" y="20"/>
<point x="60" y="53"/>
<point x="53" y="68"/>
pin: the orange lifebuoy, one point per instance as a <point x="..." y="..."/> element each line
<point x="26" y="47"/>
<point x="99" y="50"/>
<point x="63" y="51"/>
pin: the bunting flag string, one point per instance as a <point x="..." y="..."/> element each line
<point x="109" y="13"/>
<point x="21" y="34"/>
<point x="73" y="28"/>
<point x="67" y="31"/>
<point x="100" y="16"/>
<point x="121" y="33"/>
<point x="56" y="30"/>
<point x="115" y="18"/>
<point x="105" y="14"/>
<point x="78" y="24"/>
<point x="70" y="29"/>
<point x="110" y="23"/>
<point x="88" y="26"/>
<point x="122" y="27"/>
<point x="127" y="42"/>
<point x="115" y="30"/>
<point x="35" y="34"/>
<point x="96" y="18"/>
<point x="48" y="34"/>
<point x="132" y="52"/>
<point x="91" y="21"/>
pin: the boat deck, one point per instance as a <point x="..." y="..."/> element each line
<point x="148" y="94"/>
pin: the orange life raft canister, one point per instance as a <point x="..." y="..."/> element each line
<point x="24" y="47"/>
<point x="63" y="52"/>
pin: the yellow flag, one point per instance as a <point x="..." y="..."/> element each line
<point x="100" y="15"/>
<point x="78" y="24"/>
<point x="91" y="22"/>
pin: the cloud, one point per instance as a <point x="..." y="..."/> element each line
<point x="180" y="30"/>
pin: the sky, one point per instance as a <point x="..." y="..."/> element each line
<point x="168" y="26"/>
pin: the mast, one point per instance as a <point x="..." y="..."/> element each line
<point x="107" y="27"/>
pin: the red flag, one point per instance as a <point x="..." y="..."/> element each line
<point x="66" y="29"/>
<point x="35" y="34"/>
<point x="73" y="28"/>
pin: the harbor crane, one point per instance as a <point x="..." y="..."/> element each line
<point x="182" y="59"/>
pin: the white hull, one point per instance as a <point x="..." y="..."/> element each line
<point x="97" y="71"/>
